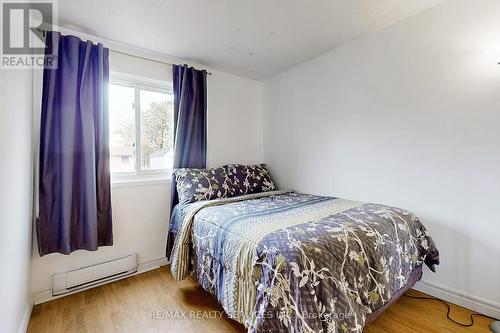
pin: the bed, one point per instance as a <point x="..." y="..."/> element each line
<point x="284" y="261"/>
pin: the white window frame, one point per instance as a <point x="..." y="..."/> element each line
<point x="140" y="175"/>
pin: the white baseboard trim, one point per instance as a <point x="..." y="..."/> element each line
<point x="43" y="296"/>
<point x="23" y="327"/>
<point x="451" y="295"/>
<point x="152" y="264"/>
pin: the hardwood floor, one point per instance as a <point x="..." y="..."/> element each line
<point x="127" y="306"/>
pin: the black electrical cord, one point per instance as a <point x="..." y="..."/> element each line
<point x="449" y="310"/>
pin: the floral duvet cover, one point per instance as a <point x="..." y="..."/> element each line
<point x="283" y="261"/>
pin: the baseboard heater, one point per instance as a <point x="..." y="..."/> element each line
<point x="92" y="276"/>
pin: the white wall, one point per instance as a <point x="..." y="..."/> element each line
<point x="141" y="213"/>
<point x="15" y="198"/>
<point x="407" y="116"/>
<point x="234" y="120"/>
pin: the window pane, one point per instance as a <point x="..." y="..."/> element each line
<point x="157" y="130"/>
<point x="121" y="128"/>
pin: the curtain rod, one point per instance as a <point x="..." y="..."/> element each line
<point x="128" y="54"/>
<point x="154" y="60"/>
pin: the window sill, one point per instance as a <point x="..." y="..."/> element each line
<point x="140" y="181"/>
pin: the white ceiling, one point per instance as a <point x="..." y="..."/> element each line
<point x="251" y="38"/>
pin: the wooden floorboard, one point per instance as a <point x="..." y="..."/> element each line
<point x="127" y="306"/>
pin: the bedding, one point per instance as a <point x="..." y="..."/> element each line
<point x="247" y="179"/>
<point x="202" y="184"/>
<point x="227" y="181"/>
<point x="283" y="261"/>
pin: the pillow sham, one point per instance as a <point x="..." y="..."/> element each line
<point x="202" y="184"/>
<point x="246" y="179"/>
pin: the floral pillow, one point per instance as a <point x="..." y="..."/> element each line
<point x="248" y="179"/>
<point x="202" y="184"/>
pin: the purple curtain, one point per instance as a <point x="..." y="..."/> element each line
<point x="75" y="195"/>
<point x="190" y="125"/>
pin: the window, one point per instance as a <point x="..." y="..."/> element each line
<point x="140" y="111"/>
<point x="121" y="128"/>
